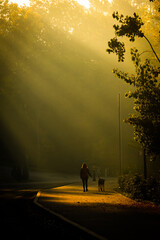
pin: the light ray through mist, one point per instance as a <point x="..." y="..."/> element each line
<point x="63" y="108"/>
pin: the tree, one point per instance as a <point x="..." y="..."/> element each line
<point x="131" y="27"/>
<point x="146" y="96"/>
<point x="145" y="82"/>
<point x="20" y="36"/>
<point x="48" y="62"/>
<point x="150" y="14"/>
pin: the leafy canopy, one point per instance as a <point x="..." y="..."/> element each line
<point x="146" y="83"/>
<point x="129" y="27"/>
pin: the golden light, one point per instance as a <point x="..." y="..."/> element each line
<point x="84" y="3"/>
<point x="21" y="2"/>
<point x="73" y="195"/>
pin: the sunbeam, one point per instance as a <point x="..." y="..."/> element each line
<point x="62" y="101"/>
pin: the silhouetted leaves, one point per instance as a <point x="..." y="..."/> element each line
<point x="146" y="93"/>
<point x="116" y="47"/>
<point x="147" y="102"/>
<point x="130" y="27"/>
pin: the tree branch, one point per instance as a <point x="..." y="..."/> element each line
<point x="152" y="48"/>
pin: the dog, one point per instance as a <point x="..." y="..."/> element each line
<point x="101" y="184"/>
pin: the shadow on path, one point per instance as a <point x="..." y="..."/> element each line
<point x="108" y="214"/>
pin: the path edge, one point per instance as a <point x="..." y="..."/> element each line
<point x="77" y="225"/>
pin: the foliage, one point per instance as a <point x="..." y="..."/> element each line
<point x="116" y="47"/>
<point x="49" y="89"/>
<point x="131" y="28"/>
<point x="146" y="96"/>
<point x="139" y="188"/>
<point x="150" y="13"/>
<point x="145" y="82"/>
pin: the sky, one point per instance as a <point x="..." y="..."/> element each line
<point x="21" y="2"/>
<point x="84" y="3"/>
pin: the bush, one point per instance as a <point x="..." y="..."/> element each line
<point x="153" y="190"/>
<point x="139" y="188"/>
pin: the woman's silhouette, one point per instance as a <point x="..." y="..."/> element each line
<point x="84" y="174"/>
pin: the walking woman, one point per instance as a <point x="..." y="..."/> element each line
<point x="84" y="174"/>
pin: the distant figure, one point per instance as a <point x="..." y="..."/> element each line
<point x="84" y="174"/>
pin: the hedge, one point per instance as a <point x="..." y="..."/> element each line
<point x="139" y="188"/>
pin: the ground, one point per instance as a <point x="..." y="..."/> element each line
<point x="108" y="214"/>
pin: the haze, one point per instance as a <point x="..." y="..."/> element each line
<point x="62" y="104"/>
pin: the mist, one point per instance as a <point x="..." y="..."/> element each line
<point x="59" y="97"/>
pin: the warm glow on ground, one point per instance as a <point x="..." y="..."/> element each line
<point x="21" y="2"/>
<point x="74" y="195"/>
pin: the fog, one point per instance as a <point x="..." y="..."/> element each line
<point x="59" y="97"/>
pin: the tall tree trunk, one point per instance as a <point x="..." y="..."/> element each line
<point x="145" y="164"/>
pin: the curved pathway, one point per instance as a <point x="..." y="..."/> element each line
<point x="108" y="214"/>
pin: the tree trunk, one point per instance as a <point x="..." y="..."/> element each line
<point x="145" y="165"/>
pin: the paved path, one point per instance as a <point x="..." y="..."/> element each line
<point x="22" y="219"/>
<point x="108" y="214"/>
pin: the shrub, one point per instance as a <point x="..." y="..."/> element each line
<point x="153" y="190"/>
<point x="139" y="188"/>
